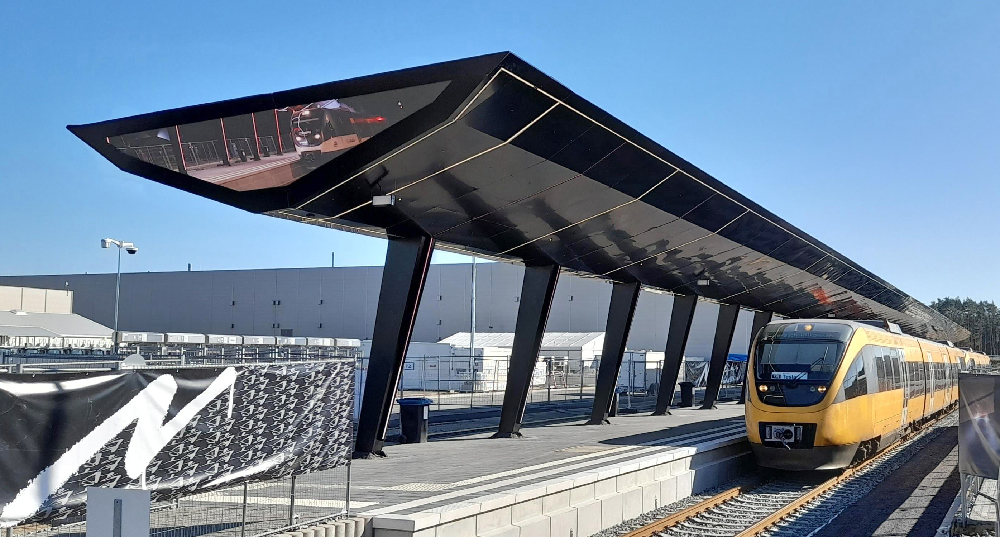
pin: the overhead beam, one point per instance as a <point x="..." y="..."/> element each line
<point x="760" y="320"/>
<point x="620" y="313"/>
<point x="724" y="329"/>
<point x="406" y="264"/>
<point x="537" y="290"/>
<point x="677" y="335"/>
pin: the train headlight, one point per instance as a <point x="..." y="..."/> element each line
<point x="316" y="136"/>
<point x="821" y="389"/>
<point x="762" y="388"/>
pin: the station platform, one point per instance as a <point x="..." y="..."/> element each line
<point x="557" y="478"/>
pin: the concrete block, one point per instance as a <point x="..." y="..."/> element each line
<point x="308" y="532"/>
<point x="632" y="503"/>
<point x="492" y="520"/>
<point x="524" y="510"/>
<point x="509" y="531"/>
<point x="679" y="466"/>
<point x="555" y="502"/>
<point x="338" y="529"/>
<point x="650" y="497"/>
<point x="684" y="482"/>
<point x="668" y="491"/>
<point x="644" y="477"/>
<point x="414" y="522"/>
<point x="661" y="471"/>
<point x="455" y="511"/>
<point x="588" y="518"/>
<point x="583" y="493"/>
<point x="533" y="527"/>
<point x="528" y="493"/>
<point x="319" y="531"/>
<point x="626" y="481"/>
<point x="362" y="527"/>
<point x="295" y="533"/>
<point x="629" y="467"/>
<point x="605" y="487"/>
<point x="465" y="527"/>
<point x="611" y="511"/>
<point x="586" y="478"/>
<point x="558" y="485"/>
<point x="430" y="532"/>
<point x="495" y="501"/>
<point x="563" y="523"/>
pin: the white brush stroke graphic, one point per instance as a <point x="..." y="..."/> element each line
<point x="149" y="408"/>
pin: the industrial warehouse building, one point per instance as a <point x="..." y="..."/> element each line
<point x="341" y="302"/>
<point x="40" y="318"/>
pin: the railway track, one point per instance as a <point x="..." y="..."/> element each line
<point x="786" y="503"/>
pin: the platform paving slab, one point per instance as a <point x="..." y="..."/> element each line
<point x="564" y="477"/>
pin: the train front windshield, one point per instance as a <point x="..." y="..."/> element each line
<point x="788" y="360"/>
<point x="793" y="360"/>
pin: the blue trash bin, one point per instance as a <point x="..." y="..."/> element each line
<point x="414" y="417"/>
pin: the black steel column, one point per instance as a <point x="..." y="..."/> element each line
<point x="620" y="313"/>
<point x="403" y="280"/>
<point x="724" y="328"/>
<point x="760" y="319"/>
<point x="537" y="289"/>
<point x="677" y="336"/>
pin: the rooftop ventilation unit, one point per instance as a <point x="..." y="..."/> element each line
<point x="884" y="325"/>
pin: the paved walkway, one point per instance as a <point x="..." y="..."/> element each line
<point x="417" y="477"/>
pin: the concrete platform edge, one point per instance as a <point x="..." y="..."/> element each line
<point x="582" y="503"/>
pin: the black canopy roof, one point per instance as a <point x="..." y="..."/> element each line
<point x="491" y="156"/>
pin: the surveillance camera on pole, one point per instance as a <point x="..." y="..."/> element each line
<point x="132" y="249"/>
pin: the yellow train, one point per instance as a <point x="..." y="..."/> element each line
<point x="825" y="393"/>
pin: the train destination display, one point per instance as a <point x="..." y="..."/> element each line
<point x="274" y="147"/>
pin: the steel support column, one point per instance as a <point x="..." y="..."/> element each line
<point x="724" y="329"/>
<point x="760" y="319"/>
<point x="623" y="299"/>
<point x="537" y="289"/>
<point x="677" y="336"/>
<point x="403" y="278"/>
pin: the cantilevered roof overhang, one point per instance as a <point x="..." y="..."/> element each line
<point x="489" y="155"/>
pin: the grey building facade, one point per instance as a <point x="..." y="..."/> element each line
<point x="341" y="302"/>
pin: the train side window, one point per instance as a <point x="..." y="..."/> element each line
<point x="880" y="369"/>
<point x="856" y="384"/>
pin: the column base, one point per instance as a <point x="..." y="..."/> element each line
<point x="368" y="455"/>
<point x="602" y="421"/>
<point x="514" y="434"/>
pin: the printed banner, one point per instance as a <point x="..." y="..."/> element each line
<point x="978" y="425"/>
<point x="174" y="432"/>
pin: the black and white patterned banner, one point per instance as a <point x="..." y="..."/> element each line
<point x="174" y="432"/>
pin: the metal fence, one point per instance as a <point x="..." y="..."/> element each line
<point x="200" y="154"/>
<point x="248" y="510"/>
<point x="456" y="382"/>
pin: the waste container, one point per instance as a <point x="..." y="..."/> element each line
<point x="413" y="419"/>
<point x="687" y="394"/>
<point x="614" y="405"/>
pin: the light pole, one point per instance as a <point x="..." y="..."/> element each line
<point x="131" y="249"/>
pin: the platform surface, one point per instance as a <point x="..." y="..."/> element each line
<point x="417" y="477"/>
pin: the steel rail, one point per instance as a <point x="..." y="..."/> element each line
<point x="675" y="519"/>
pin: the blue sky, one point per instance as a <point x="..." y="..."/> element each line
<point x="872" y="126"/>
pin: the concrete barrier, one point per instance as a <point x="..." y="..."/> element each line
<point x="582" y="504"/>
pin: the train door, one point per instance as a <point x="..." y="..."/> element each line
<point x="930" y="383"/>
<point x="899" y="356"/>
